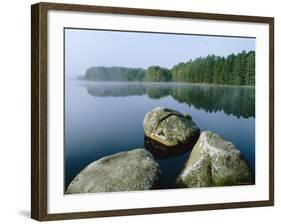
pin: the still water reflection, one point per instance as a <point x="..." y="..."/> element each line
<point x="102" y="118"/>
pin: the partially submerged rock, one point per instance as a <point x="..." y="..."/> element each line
<point x="160" y="151"/>
<point x="214" y="162"/>
<point x="169" y="127"/>
<point x="125" y="171"/>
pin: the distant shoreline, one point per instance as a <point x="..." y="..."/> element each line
<point x="236" y="69"/>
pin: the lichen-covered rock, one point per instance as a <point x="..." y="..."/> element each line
<point x="125" y="171"/>
<point x="170" y="127"/>
<point x="214" y="162"/>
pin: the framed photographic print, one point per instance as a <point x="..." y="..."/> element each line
<point x="141" y="111"/>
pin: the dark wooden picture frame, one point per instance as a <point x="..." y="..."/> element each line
<point x="39" y="105"/>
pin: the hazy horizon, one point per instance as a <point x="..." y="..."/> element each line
<point x="87" y="48"/>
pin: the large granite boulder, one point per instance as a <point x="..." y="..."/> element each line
<point x="214" y="162"/>
<point x="125" y="171"/>
<point x="170" y="127"/>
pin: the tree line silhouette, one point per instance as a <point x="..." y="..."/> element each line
<point x="233" y="69"/>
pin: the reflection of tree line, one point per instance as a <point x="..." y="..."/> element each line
<point x="238" y="101"/>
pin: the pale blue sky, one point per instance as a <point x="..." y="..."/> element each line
<point x="86" y="48"/>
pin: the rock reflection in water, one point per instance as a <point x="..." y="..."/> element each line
<point x="160" y="151"/>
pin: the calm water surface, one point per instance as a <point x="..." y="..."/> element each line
<point x="102" y="118"/>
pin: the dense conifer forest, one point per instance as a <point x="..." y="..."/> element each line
<point x="233" y="69"/>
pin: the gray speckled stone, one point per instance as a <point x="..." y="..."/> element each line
<point x="170" y="127"/>
<point x="125" y="171"/>
<point x="214" y="162"/>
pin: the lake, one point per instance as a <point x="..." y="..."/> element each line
<point x="102" y="118"/>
